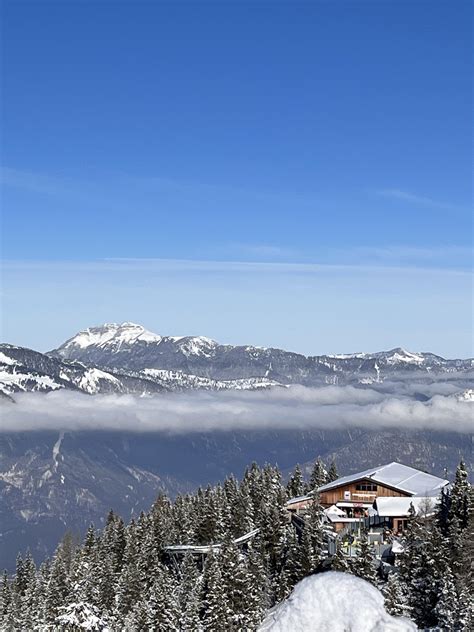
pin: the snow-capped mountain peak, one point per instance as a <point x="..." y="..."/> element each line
<point x="197" y="345"/>
<point x="129" y="338"/>
<point x="111" y="334"/>
<point x="400" y="355"/>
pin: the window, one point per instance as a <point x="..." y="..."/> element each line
<point x="366" y="487"/>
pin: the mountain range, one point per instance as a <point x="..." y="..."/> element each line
<point x="126" y="358"/>
<point x="51" y="481"/>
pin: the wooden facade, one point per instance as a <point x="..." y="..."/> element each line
<point x="352" y="493"/>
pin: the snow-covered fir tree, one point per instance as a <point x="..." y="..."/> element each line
<point x="319" y="476"/>
<point x="332" y="472"/>
<point x="296" y="485"/>
<point x="339" y="561"/>
<point x="364" y="564"/>
<point x="396" y="598"/>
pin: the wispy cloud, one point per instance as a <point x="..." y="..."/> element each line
<point x="421" y="200"/>
<point x="292" y="408"/>
<point x="445" y="254"/>
<point x="131" y="264"/>
<point x="267" y="252"/>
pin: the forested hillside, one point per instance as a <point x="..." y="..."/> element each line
<point x="136" y="577"/>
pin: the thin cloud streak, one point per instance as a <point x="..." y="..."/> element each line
<point x="296" y="407"/>
<point x="413" y="198"/>
<point x="156" y="264"/>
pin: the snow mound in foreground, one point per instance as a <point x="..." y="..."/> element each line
<point x="334" y="602"/>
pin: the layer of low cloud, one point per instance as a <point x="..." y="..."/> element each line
<point x="297" y="407"/>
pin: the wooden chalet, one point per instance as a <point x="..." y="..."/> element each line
<point x="353" y="499"/>
<point x="358" y="493"/>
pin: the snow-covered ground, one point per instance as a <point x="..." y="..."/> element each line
<point x="334" y="602"/>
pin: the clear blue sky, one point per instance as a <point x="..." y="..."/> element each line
<point x="331" y="133"/>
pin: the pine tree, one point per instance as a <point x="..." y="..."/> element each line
<point x="295" y="486"/>
<point x="459" y="528"/>
<point x="258" y="595"/>
<point x="113" y="542"/>
<point x="293" y="556"/>
<point x="464" y="567"/>
<point x="207" y="527"/>
<point x="237" y="582"/>
<point x="41" y="583"/>
<point x="461" y="497"/>
<point x="79" y="616"/>
<point x="312" y="539"/>
<point x="319" y="476"/>
<point x="163" y="524"/>
<point x="442" y="512"/>
<point x="363" y="565"/>
<point x="190" y="595"/>
<point x="5" y="595"/>
<point x="447" y="602"/>
<point x="136" y="619"/>
<point x="105" y="579"/>
<point x="242" y="512"/>
<point x="396" y="599"/>
<point x="162" y="604"/>
<point x="184" y="520"/>
<point x="339" y="561"/>
<point x="332" y="472"/>
<point x="129" y="585"/>
<point x="422" y="567"/>
<point x="20" y="583"/>
<point x="253" y="480"/>
<point x="67" y="548"/>
<point x="57" y="588"/>
<point x="27" y="593"/>
<point x="215" y="607"/>
<point x="12" y="619"/>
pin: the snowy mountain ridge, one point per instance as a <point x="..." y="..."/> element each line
<point x="131" y="347"/>
<point x="114" y="335"/>
<point x="127" y="358"/>
<point x="25" y="370"/>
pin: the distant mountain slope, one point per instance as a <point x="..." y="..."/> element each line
<point x="25" y="370"/>
<point x="132" y="347"/>
<point x="52" y="482"/>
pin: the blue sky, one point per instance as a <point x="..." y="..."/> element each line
<point x="279" y="173"/>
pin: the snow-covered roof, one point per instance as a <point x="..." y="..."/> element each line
<point x="298" y="499"/>
<point x="355" y="504"/>
<point x="396" y="475"/>
<point x="207" y="548"/>
<point x="337" y="518"/>
<point x="389" y="506"/>
<point x="333" y="509"/>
